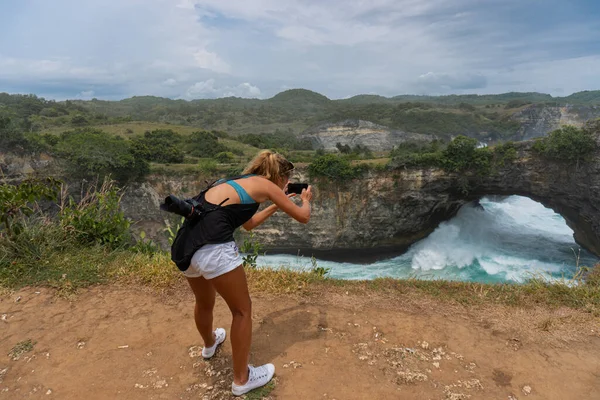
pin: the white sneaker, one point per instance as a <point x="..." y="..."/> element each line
<point x="208" y="352"/>
<point x="257" y="377"/>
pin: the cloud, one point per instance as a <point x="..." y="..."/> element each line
<point x="208" y="60"/>
<point x="86" y="94"/>
<point x="208" y="89"/>
<point x="179" y="48"/>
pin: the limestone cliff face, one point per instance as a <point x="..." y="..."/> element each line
<point x="537" y="121"/>
<point x="358" y="132"/>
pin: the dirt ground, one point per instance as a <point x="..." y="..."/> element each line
<point x="113" y="342"/>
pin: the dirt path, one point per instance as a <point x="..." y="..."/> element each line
<point x="126" y="343"/>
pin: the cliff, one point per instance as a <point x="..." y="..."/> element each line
<point x="388" y="211"/>
<point x="358" y="132"/>
<point x="539" y="120"/>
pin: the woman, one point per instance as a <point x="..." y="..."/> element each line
<point x="217" y="266"/>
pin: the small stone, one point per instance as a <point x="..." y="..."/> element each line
<point x="436" y="364"/>
<point x="195" y="351"/>
<point x="425" y="345"/>
<point x="527" y="390"/>
<point x="49" y="391"/>
<point x="4" y="317"/>
<point x="18" y="299"/>
<point x="511" y="397"/>
<point x="80" y="345"/>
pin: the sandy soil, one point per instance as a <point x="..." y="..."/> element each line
<point x="131" y="343"/>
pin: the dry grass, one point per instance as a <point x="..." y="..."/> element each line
<point x="74" y="268"/>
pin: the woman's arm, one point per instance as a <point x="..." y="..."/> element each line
<point x="260" y="217"/>
<point x="281" y="200"/>
<point x="263" y="215"/>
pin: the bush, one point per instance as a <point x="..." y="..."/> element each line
<point x="333" y="167"/>
<point x="569" y="144"/>
<point x="204" y="144"/>
<point x="11" y="137"/>
<point x="161" y="146"/>
<point x="17" y="201"/>
<point x="505" y="153"/>
<point x="207" y="165"/>
<point x="411" y="153"/>
<point x="225" y="157"/>
<point x="79" y="120"/>
<point x="97" y="218"/>
<point x="462" y="154"/>
<point x="92" y="154"/>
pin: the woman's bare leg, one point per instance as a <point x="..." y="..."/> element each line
<point x="203" y="311"/>
<point x="233" y="288"/>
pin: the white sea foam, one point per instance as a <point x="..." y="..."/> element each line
<point x="511" y="239"/>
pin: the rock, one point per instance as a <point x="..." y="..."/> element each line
<point x="527" y="390"/>
<point x="425" y="345"/>
<point x="195" y="351"/>
<point x="538" y="120"/>
<point x="358" y="132"/>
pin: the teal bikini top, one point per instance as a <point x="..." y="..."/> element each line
<point x="244" y="196"/>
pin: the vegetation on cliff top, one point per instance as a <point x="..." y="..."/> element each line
<point x="568" y="144"/>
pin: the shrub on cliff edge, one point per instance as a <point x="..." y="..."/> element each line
<point x="569" y="144"/>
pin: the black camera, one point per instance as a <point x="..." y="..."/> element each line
<point x="188" y="208"/>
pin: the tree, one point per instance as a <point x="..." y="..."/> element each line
<point x="11" y="138"/>
<point x="204" y="144"/>
<point x="343" y="148"/>
<point x="568" y="143"/>
<point x="91" y="153"/>
<point x="462" y="154"/>
<point x="79" y="120"/>
<point x="161" y="145"/>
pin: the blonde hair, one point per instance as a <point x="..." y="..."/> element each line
<point x="271" y="165"/>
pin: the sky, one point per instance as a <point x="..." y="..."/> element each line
<point x="191" y="49"/>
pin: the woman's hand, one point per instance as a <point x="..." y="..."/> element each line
<point x="306" y="195"/>
<point x="300" y="213"/>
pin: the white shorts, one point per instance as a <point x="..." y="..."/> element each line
<point x="212" y="260"/>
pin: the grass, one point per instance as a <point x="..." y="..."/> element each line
<point x="129" y="129"/>
<point x="21" y="348"/>
<point x="77" y="267"/>
<point x="262" y="392"/>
